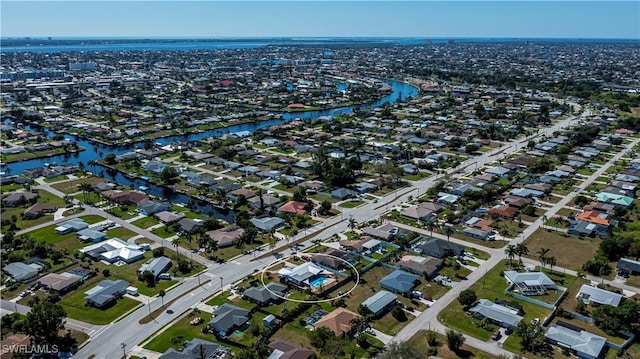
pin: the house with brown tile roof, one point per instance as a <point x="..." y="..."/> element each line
<point x="420" y="265"/>
<point x="286" y="350"/>
<point x="506" y="211"/>
<point x="338" y="321"/>
<point x="39" y="209"/>
<point x="294" y="207"/>
<point x="227" y="236"/>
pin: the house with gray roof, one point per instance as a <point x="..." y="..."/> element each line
<point x="228" y="318"/>
<point x="463" y="188"/>
<point x="627" y="267"/>
<point x="439" y="248"/>
<point x="21" y="272"/>
<point x="399" y="281"/>
<point x="594" y="295"/>
<point x="581" y="343"/>
<point x="265" y="295"/>
<point x="342" y="193"/>
<point x="17" y="198"/>
<point x="94" y="234"/>
<point x="106" y="292"/>
<point x="529" y="283"/>
<point x="150" y="207"/>
<point x="156" y="266"/>
<point x="381" y="302"/>
<point x="72" y="225"/>
<point x="266" y="224"/>
<point x="495" y="313"/>
<point x="197" y="348"/>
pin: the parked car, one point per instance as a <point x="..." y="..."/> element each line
<point x="426" y="297"/>
<point x="508" y="331"/>
<point x="496" y="335"/>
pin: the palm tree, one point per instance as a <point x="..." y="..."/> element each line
<point x="211" y="245"/>
<point x="86" y="189"/>
<point x="542" y="255"/>
<point x="352" y="224"/>
<point x="511" y="252"/>
<point x="551" y="261"/>
<point x="544" y="220"/>
<point x="176" y="242"/>
<point x="92" y="163"/>
<point x="448" y="231"/>
<point x="521" y="250"/>
<point x="161" y="294"/>
<point x="431" y="225"/>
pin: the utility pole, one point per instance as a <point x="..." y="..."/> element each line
<point x="124" y="351"/>
<point x="149" y="305"/>
<point x="221" y="279"/>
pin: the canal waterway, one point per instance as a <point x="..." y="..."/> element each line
<point x="94" y="150"/>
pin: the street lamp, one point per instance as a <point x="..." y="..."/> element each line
<point x="221" y="283"/>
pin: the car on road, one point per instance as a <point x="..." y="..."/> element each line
<point x="169" y="311"/>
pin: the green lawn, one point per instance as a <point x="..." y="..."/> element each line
<point x="146" y="222"/>
<point x="420" y="340"/>
<point x="130" y="212"/>
<point x="68" y="241"/>
<point x="56" y="179"/>
<point x="121" y="232"/>
<point x="491" y="286"/>
<point x="183" y="329"/>
<point x="44" y="197"/>
<point x="570" y="251"/>
<point x="74" y="306"/>
<point x="351" y="204"/>
<point x="164" y="232"/>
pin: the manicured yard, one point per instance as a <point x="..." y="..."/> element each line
<point x="120" y="232"/>
<point x="146" y="222"/>
<point x="420" y="340"/>
<point x="128" y="213"/>
<point x="74" y="306"/>
<point x="183" y="329"/>
<point x="68" y="241"/>
<point x="570" y="251"/>
<point x="491" y="286"/>
<point x="351" y="204"/>
<point x="44" y="197"/>
<point x="56" y="179"/>
<point x="164" y="232"/>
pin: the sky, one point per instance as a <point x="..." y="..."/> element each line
<point x="303" y="18"/>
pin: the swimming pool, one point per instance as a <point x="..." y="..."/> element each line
<point x="318" y="282"/>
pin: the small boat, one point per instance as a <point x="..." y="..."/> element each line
<point x="143" y="188"/>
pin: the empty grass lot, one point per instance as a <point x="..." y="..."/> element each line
<point x="73" y="186"/>
<point x="146" y="222"/>
<point x="570" y="251"/>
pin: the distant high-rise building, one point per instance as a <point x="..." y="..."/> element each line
<point x="82" y="66"/>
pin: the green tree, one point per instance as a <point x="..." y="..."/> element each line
<point x="521" y="250"/>
<point x="403" y="350"/>
<point x="399" y="314"/>
<point x="467" y="297"/>
<point x="169" y="174"/>
<point x="454" y="340"/>
<point x="448" y="231"/>
<point x="511" y="252"/>
<point x="44" y="322"/>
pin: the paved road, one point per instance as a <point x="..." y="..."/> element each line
<point x="106" y="341"/>
<point x="11" y="307"/>
<point x="429" y="317"/>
